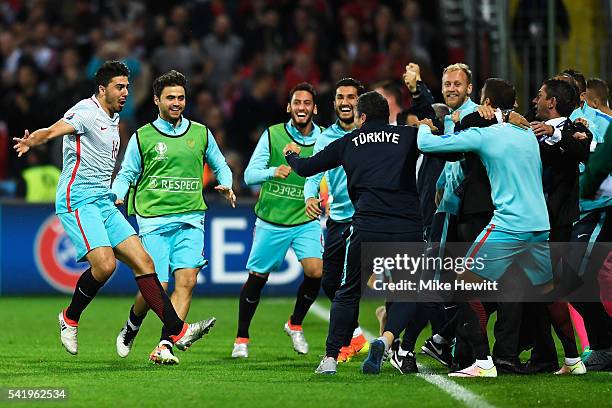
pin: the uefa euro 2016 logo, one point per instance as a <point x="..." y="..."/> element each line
<point x="161" y="149"/>
<point x="55" y="256"/>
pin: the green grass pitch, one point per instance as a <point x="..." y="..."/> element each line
<point x="273" y="375"/>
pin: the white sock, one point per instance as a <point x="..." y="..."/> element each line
<point x="485" y="364"/>
<point x="357" y="332"/>
<point x="385" y="341"/>
<point x="402" y="352"/>
<point x="571" y="361"/>
<point x="439" y="339"/>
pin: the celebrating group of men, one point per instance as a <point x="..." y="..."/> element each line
<point x="453" y="172"/>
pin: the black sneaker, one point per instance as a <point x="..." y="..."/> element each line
<point x="441" y="352"/>
<point x="405" y="364"/>
<point x="599" y="360"/>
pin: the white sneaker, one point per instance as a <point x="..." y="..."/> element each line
<point x="327" y="366"/>
<point x="162" y="354"/>
<point x="297" y="337"/>
<point x="576" y="369"/>
<point x="125" y="340"/>
<point x="68" y="335"/>
<point x="241" y="350"/>
<point x="194" y="332"/>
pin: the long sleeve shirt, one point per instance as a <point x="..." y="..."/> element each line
<point x="511" y="156"/>
<point x="131" y="168"/>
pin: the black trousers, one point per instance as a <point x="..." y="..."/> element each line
<point x="333" y="256"/>
<point x="345" y="305"/>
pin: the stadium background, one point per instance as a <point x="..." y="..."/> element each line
<point x="241" y="58"/>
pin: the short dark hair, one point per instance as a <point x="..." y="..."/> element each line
<point x="170" y="78"/>
<point x="374" y="105"/>
<point x="600" y="87"/>
<point x="573" y="83"/>
<point x="500" y="92"/>
<point x="108" y="71"/>
<point x="304" y="86"/>
<point x="578" y="77"/>
<point x="351" y="82"/>
<point x="392" y="88"/>
<point x="564" y="93"/>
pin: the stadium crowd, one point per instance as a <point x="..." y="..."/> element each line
<point x="241" y="59"/>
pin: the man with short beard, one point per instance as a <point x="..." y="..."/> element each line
<point x="341" y="209"/>
<point x="282" y="221"/>
<point x="170" y="217"/>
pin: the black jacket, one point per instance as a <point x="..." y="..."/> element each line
<point x="560" y="173"/>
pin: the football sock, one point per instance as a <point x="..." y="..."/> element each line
<point x="579" y="327"/>
<point x="562" y="323"/>
<point x="357" y="332"/>
<point x="134" y="321"/>
<point x="307" y="294"/>
<point x="572" y="361"/>
<point x="86" y="289"/>
<point x="249" y="299"/>
<point x="157" y="299"/>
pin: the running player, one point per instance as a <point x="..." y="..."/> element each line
<point x="86" y="208"/>
<point x="170" y="218"/>
<point x="282" y="221"/>
<point x="341" y="209"/>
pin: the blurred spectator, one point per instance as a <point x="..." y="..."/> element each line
<point x="38" y="48"/>
<point x="25" y="107"/>
<point x="10" y="54"/>
<point x="303" y="69"/>
<point x="367" y="64"/>
<point x="351" y="37"/>
<point x="258" y="107"/>
<point x="174" y="55"/>
<point x="222" y="52"/>
<point x="383" y="29"/>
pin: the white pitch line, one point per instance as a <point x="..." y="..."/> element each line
<point x="450" y="387"/>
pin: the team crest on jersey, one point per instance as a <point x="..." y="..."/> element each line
<point x="191" y="143"/>
<point x="55" y="256"/>
<point x="161" y="148"/>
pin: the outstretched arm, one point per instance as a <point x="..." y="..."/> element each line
<point x="59" y="128"/>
